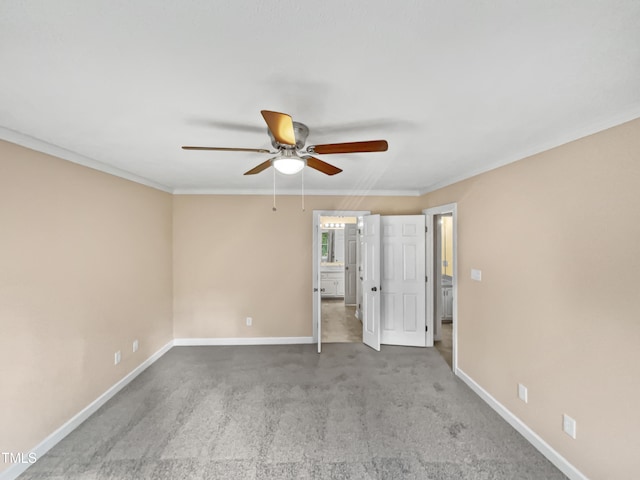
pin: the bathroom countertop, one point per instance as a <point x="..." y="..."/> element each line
<point x="331" y="267"/>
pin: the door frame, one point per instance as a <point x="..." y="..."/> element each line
<point x="316" y="259"/>
<point x="450" y="208"/>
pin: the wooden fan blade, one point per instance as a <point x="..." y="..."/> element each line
<point x="352" y="147"/>
<point x="321" y="166"/>
<point x="281" y="126"/>
<point x="227" y="149"/>
<point x="259" y="168"/>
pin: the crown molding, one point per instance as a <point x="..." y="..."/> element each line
<point x="38" y="145"/>
<point x="42" y="146"/>
<point x="630" y="114"/>
<point x="307" y="193"/>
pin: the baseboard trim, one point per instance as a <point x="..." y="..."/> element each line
<point x="198" y="342"/>
<point x="43" y="447"/>
<point x="533" y="438"/>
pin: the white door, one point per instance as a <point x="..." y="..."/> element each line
<point x="430" y="298"/>
<point x="359" y="250"/>
<point x="437" y="277"/>
<point x="350" y="263"/>
<point x="403" y="286"/>
<point x="371" y="282"/>
<point x="317" y="290"/>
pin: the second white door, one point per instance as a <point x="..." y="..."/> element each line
<point x="371" y="282"/>
<point x="403" y="312"/>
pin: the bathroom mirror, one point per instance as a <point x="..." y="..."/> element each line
<point x="333" y="246"/>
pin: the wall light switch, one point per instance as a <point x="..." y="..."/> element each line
<point x="117" y="357"/>
<point x="249" y="321"/>
<point x="569" y="426"/>
<point x="476" y="275"/>
<point x="135" y="345"/>
<point x="523" y="393"/>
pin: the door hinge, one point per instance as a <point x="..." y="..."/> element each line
<point x="315" y="289"/>
<point x="426" y="328"/>
<point x="426" y="229"/>
<point x="426" y="279"/>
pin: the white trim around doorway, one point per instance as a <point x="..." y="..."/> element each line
<point x="315" y="281"/>
<point x="451" y="208"/>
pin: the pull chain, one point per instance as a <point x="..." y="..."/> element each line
<point x="274" y="189"/>
<point x="303" y="189"/>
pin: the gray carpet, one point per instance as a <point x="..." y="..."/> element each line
<point x="285" y="412"/>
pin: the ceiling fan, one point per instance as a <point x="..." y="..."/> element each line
<point x="288" y="139"/>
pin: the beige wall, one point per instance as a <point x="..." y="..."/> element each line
<point x="85" y="268"/>
<point x="558" y="309"/>
<point x="236" y="258"/>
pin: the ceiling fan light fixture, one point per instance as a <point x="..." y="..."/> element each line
<point x="289" y="164"/>
<point x="288" y="138"/>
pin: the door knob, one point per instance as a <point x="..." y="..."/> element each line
<point x="374" y="289"/>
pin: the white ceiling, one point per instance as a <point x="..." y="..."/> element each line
<point x="456" y="87"/>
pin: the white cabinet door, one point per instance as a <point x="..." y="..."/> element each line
<point x="403" y="308"/>
<point x="332" y="284"/>
<point x="328" y="287"/>
<point x="447" y="303"/>
<point x="340" y="286"/>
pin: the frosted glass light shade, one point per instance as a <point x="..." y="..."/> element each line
<point x="288" y="166"/>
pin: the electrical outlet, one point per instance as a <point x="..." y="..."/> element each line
<point x="135" y="345"/>
<point x="117" y="357"/>
<point x="523" y="393"/>
<point x="249" y="321"/>
<point x="569" y="426"/>
<point x="476" y="275"/>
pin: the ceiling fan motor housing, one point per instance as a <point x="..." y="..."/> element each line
<point x="301" y="132"/>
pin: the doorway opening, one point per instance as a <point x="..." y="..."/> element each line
<point x="336" y="250"/>
<point x="443" y="295"/>
<point x="442" y="284"/>
<point x="384" y="275"/>
<point x="338" y="280"/>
